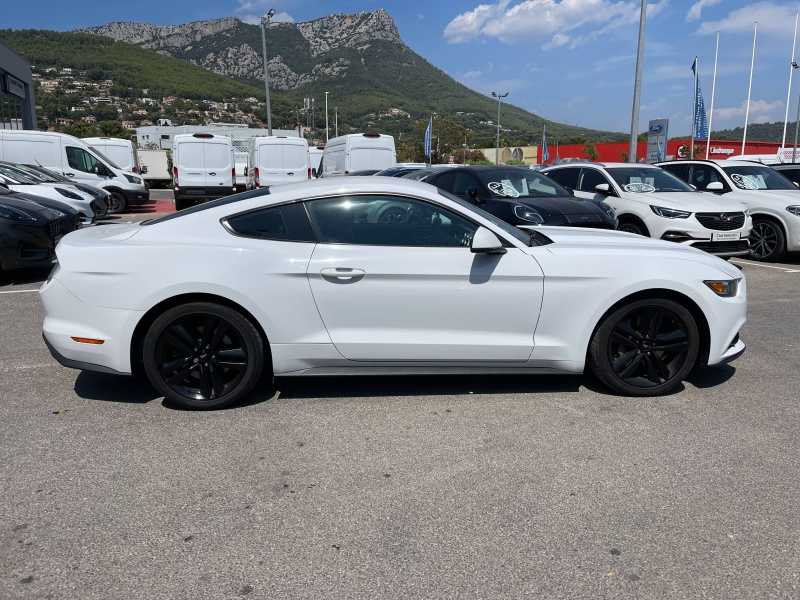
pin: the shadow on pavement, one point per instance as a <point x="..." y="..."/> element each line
<point x="24" y="276"/>
<point x="114" y="388"/>
<point x="711" y="376"/>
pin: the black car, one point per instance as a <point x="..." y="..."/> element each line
<point x="519" y="196"/>
<point x="363" y="173"/>
<point x="28" y="234"/>
<point x="790" y="171"/>
<point x="68" y="217"/>
<point x="397" y="171"/>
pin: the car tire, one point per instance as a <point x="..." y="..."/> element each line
<point x="632" y="227"/>
<point x="118" y="203"/>
<point x="645" y="348"/>
<point x="202" y="355"/>
<point x="767" y="241"/>
<point x="180" y="204"/>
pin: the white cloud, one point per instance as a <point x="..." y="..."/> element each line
<point x="283" y="17"/>
<point x="469" y="74"/>
<point x="697" y="7"/>
<point x="761" y="111"/>
<point x="251" y="19"/>
<point x="770" y="16"/>
<point x="574" y="101"/>
<point x="420" y="16"/>
<point x="533" y="20"/>
<point x="250" y="7"/>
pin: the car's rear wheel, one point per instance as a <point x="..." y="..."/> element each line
<point x="202" y="355"/>
<point x="767" y="242"/>
<point x="645" y="348"/>
<point x="118" y="203"/>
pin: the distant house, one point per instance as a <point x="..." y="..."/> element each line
<point x="129" y="125"/>
<point x="91" y="119"/>
<point x="167" y="100"/>
<point x="146" y="123"/>
<point x="64" y="121"/>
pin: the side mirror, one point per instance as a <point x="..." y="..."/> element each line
<point x="603" y="188"/>
<point x="796" y="184"/>
<point x="245" y="171"/>
<point x="694" y="187"/>
<point x="715" y="186"/>
<point x="472" y="194"/>
<point x="143" y="170"/>
<point x="485" y="242"/>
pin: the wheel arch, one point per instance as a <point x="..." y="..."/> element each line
<point x="633" y="218"/>
<point x="663" y="293"/>
<point x="144" y="324"/>
<point x="771" y="217"/>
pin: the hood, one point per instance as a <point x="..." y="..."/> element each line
<point x="575" y="240"/>
<point x="39" y="200"/>
<point x="690" y="201"/>
<point x="769" y="198"/>
<point x="29" y="206"/>
<point x="559" y="206"/>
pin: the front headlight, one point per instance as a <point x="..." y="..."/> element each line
<point x="528" y="214"/>
<point x="609" y="210"/>
<point x="15" y="214"/>
<point x="795" y="210"/>
<point x="68" y="194"/>
<point x="727" y="288"/>
<point x="58" y="213"/>
<point x="133" y="179"/>
<point x="670" y="213"/>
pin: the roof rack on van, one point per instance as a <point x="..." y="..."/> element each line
<point x="203" y="135"/>
<point x="372" y="134"/>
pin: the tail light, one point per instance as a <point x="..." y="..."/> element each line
<point x="309" y="172"/>
<point x="174" y="176"/>
<point x="134" y="170"/>
<point x="258" y="181"/>
<point x="347" y="172"/>
<point x="233" y="178"/>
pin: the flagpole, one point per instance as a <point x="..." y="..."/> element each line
<point x="749" y="88"/>
<point x="713" y="89"/>
<point x="694" y="110"/>
<point x="544" y="139"/>
<point x="789" y="93"/>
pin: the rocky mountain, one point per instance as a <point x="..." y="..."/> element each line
<point x="374" y="79"/>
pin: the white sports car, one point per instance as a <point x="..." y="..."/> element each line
<point x="376" y="276"/>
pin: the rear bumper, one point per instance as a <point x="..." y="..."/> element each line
<point x="203" y="194"/>
<point x="134" y="197"/>
<point x="76" y="364"/>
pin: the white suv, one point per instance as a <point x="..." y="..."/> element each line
<point x="773" y="200"/>
<point x="652" y="202"/>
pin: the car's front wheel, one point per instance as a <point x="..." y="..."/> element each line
<point x="645" y="348"/>
<point x="118" y="203"/>
<point x="202" y="355"/>
<point x="631" y="227"/>
<point x="767" y="242"/>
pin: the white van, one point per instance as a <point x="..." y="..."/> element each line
<point x="121" y="152"/>
<point x="73" y="158"/>
<point x="356" y="152"/>
<point x="279" y="159"/>
<point x="242" y="161"/>
<point x="315" y="154"/>
<point x="203" y="168"/>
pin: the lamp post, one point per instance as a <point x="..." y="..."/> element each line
<point x="796" y="125"/>
<point x="497" y="152"/>
<point x="326" y="116"/>
<point x="264" y="23"/>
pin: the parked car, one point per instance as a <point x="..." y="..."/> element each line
<point x="123" y="153"/>
<point x="789" y="170"/>
<point x="28" y="233"/>
<point x="79" y="201"/>
<point x="398" y="171"/>
<point x="203" y="168"/>
<point x="73" y="158"/>
<point x="357" y="152"/>
<point x="772" y="200"/>
<point x="279" y="159"/>
<point x="320" y="278"/>
<point x="68" y="218"/>
<point x="102" y="203"/>
<point x="654" y="203"/>
<point x="363" y="173"/>
<point x="520" y="196"/>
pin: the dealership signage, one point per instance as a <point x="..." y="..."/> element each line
<point x="13" y="86"/>
<point x="725" y="151"/>
<point x="657" y="140"/>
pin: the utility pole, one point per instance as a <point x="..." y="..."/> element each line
<point x="326" y="116"/>
<point x="336" y="121"/>
<point x="264" y="23"/>
<point x="637" y="87"/>
<point x="499" y="96"/>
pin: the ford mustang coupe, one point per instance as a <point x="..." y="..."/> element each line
<point x="374" y="276"/>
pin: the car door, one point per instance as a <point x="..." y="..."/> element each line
<point x="702" y="174"/>
<point x="80" y="166"/>
<point x="295" y="161"/>
<point x="219" y="165"/>
<point x="190" y="162"/>
<point x="394" y="280"/>
<point x="270" y="164"/>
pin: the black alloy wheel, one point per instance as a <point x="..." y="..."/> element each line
<point x="767" y="242"/>
<point x="645" y="348"/>
<point x="203" y="355"/>
<point x="630" y="227"/>
<point x="118" y="203"/>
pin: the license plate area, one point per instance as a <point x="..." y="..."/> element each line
<point x="725" y="237"/>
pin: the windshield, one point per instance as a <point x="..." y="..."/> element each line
<point x="758" y="178"/>
<point x="521" y="183"/>
<point x="105" y="158"/>
<point x="518" y="234"/>
<point x="16" y="176"/>
<point x="46" y="173"/>
<point x="33" y="174"/>
<point x="638" y="180"/>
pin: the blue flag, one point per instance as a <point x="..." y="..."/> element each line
<point x="700" y="122"/>
<point x="545" y="153"/>
<point x="428" y="136"/>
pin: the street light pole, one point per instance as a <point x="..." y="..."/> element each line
<point x="637" y="86"/>
<point x="326" y="116"/>
<point x="796" y="130"/>
<point x="497" y="152"/>
<point x="335" y="121"/>
<point x="264" y="23"/>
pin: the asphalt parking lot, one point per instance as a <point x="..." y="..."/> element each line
<point x="446" y="487"/>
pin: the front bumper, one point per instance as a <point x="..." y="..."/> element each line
<point x="691" y="232"/>
<point x="134" y="197"/>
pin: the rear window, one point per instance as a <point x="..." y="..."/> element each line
<point x="208" y="205"/>
<point x="294" y="156"/>
<point x="287" y="223"/>
<point x="218" y="156"/>
<point x="190" y="155"/>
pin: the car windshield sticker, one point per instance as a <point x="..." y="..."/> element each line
<point x="503" y="189"/>
<point x="651" y="181"/>
<point x="749" y="182"/>
<point x="638" y="186"/>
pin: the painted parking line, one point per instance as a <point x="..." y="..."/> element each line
<point x="19" y="291"/>
<point x="755" y="264"/>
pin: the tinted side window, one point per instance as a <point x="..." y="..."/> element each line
<point x="565" y="177"/>
<point x="445" y="182"/>
<point x="388" y="221"/>
<point x="790" y="174"/>
<point x="702" y="175"/>
<point x="464" y="181"/>
<point x="680" y="171"/>
<point x="81" y="160"/>
<point x="288" y="223"/>
<point x="590" y="178"/>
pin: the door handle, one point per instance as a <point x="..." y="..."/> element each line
<point x="212" y="173"/>
<point x="340" y="275"/>
<point x="290" y="173"/>
<point x="69" y="174"/>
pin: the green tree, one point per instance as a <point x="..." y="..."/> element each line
<point x="590" y="151"/>
<point x="113" y="129"/>
<point x="81" y="129"/>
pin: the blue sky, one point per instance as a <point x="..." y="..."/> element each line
<point x="568" y="60"/>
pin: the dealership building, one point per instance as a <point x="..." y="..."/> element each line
<point x="17" y="107"/>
